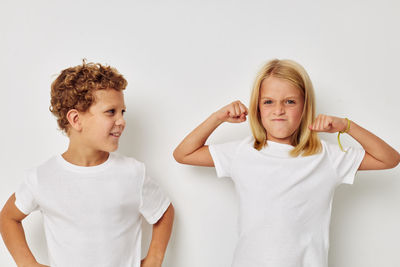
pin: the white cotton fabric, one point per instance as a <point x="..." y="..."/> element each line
<point x="92" y="215"/>
<point x="285" y="202"/>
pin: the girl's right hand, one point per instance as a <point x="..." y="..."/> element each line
<point x="235" y="112"/>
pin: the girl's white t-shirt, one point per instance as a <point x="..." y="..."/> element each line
<point x="92" y="215"/>
<point x="284" y="202"/>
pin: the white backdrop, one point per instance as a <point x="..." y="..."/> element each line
<point x="184" y="60"/>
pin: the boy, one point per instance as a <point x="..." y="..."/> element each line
<point x="91" y="199"/>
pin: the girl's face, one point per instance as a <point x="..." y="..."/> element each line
<point x="281" y="107"/>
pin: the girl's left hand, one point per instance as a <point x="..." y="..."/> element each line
<point x="328" y="124"/>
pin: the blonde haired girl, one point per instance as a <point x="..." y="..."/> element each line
<point x="284" y="174"/>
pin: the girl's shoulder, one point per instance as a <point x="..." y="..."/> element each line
<point x="334" y="151"/>
<point x="245" y="141"/>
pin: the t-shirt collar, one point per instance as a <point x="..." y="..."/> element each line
<point x="277" y="149"/>
<point x="83" y="169"/>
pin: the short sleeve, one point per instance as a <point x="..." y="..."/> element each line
<point x="223" y="155"/>
<point x="346" y="163"/>
<point x="154" y="202"/>
<point x="25" y="195"/>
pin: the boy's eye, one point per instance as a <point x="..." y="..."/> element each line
<point x="111" y="111"/>
<point x="123" y="111"/>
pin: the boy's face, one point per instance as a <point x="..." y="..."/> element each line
<point x="103" y="123"/>
<point x="281" y="107"/>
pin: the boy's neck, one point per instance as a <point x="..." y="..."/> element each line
<point x="85" y="157"/>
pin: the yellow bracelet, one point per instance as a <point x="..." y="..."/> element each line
<point x="345" y="131"/>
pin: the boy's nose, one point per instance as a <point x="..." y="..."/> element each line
<point x="120" y="122"/>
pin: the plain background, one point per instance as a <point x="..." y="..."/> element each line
<point x="186" y="59"/>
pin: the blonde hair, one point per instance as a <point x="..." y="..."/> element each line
<point x="305" y="141"/>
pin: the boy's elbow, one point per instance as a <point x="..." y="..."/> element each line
<point x="175" y="155"/>
<point x="10" y="215"/>
<point x="397" y="161"/>
<point x="394" y="163"/>
<point x="178" y="156"/>
<point x="3" y="221"/>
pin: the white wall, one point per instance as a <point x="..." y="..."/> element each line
<point x="185" y="59"/>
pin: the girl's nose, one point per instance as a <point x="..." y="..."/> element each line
<point x="279" y="109"/>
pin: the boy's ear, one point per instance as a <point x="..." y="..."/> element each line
<point x="74" y="120"/>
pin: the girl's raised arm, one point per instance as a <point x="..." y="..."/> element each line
<point x="192" y="150"/>
<point x="378" y="154"/>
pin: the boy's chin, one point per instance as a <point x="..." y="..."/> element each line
<point x="113" y="149"/>
<point x="110" y="149"/>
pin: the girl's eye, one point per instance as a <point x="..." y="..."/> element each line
<point x="290" y="101"/>
<point x="268" y="102"/>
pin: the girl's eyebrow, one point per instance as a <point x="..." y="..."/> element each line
<point x="284" y="98"/>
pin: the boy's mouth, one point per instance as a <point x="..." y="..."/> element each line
<point x="116" y="134"/>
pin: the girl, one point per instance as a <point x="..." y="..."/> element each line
<point x="284" y="174"/>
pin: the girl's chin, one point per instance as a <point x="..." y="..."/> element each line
<point x="279" y="137"/>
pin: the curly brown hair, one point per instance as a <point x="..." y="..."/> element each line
<point x="74" y="87"/>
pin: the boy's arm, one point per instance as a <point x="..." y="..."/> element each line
<point x="159" y="239"/>
<point x="192" y="149"/>
<point x="14" y="236"/>
<point x="378" y="154"/>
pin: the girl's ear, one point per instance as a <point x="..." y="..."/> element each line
<point x="74" y="120"/>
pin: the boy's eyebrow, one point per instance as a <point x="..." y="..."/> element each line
<point x="113" y="106"/>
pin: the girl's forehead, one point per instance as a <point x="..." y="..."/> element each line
<point x="277" y="87"/>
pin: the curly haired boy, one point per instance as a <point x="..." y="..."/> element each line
<point x="92" y="199"/>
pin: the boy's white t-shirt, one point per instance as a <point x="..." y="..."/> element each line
<point x="285" y="202"/>
<point x="92" y="215"/>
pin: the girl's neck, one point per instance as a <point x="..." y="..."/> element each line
<point x="285" y="141"/>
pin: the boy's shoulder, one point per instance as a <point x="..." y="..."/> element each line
<point x="125" y="161"/>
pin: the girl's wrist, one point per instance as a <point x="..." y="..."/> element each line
<point x="346" y="125"/>
<point x="215" y="117"/>
<point x="345" y="130"/>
